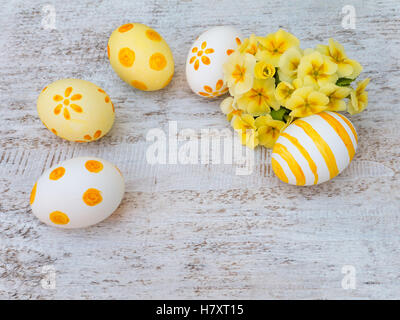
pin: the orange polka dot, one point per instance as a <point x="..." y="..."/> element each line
<point x="153" y="35"/>
<point x="126" y="57"/>
<point x="87" y="137"/>
<point x="80" y="141"/>
<point x="58" y="217"/>
<point x="204" y="94"/>
<point x="138" y="85"/>
<point x="125" y="27"/>
<point x="44" y="89"/>
<point x="66" y="102"/>
<point x="205" y="60"/>
<point x="101" y="90"/>
<point x="229" y="52"/>
<point x="192" y="59"/>
<point x="199" y="53"/>
<point x="208" y="89"/>
<point x="157" y="61"/>
<point x="33" y="194"/>
<point x="94" y="166"/>
<point x="54" y="131"/>
<point x="107" y="99"/>
<point x="108" y="51"/>
<point x="208" y="51"/>
<point x="219" y="84"/>
<point x="92" y="197"/>
<point x="97" y="134"/>
<point x="196" y="65"/>
<point x="57" y="173"/>
<point x="204" y="45"/>
<point x="238" y="41"/>
<point x="112" y="104"/>
<point x="194" y="50"/>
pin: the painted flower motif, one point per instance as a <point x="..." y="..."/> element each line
<point x="229" y="107"/>
<point x="247" y="130"/>
<point x="276" y="44"/>
<point x="305" y="102"/>
<point x="209" y="92"/>
<point x="201" y="55"/>
<point x="268" y="130"/>
<point x="345" y="67"/>
<point x="358" y="98"/>
<point x="260" y="98"/>
<point x="316" y="70"/>
<point x="66" y="99"/>
<point x="336" y="95"/>
<point x="239" y="72"/>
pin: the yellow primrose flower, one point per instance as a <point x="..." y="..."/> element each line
<point x="284" y="90"/>
<point x="288" y="64"/>
<point x="316" y="70"/>
<point x="228" y="107"/>
<point x="346" y="67"/>
<point x="239" y="72"/>
<point x="268" y="130"/>
<point x="275" y="44"/>
<point x="260" y="98"/>
<point x="246" y="128"/>
<point x="336" y="95"/>
<point x="358" y="98"/>
<point x="305" y="102"/>
<point x="249" y="45"/>
<point x="264" y="70"/>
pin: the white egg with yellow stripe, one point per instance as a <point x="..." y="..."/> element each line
<point x="314" y="149"/>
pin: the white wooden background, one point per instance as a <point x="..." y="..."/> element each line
<point x="196" y="231"/>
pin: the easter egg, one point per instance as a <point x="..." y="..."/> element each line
<point x="314" y="149"/>
<point x="76" y="110"/>
<point x="77" y="193"/>
<point x="140" y="56"/>
<point x="204" y="71"/>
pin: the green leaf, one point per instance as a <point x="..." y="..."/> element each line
<point x="344" y="82"/>
<point x="276" y="76"/>
<point x="280" y="113"/>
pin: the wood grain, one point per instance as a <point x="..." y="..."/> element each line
<point x="196" y="231"/>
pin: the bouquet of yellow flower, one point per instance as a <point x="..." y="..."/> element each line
<point x="272" y="81"/>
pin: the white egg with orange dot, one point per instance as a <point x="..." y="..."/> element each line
<point x="77" y="193"/>
<point x="314" y="149"/>
<point x="76" y="110"/>
<point x="140" y="57"/>
<point x="204" y="72"/>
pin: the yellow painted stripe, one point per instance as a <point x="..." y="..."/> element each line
<point x="349" y="124"/>
<point x="305" y="154"/>
<point x="292" y="163"/>
<point x="279" y="171"/>
<point x="341" y="131"/>
<point x="322" y="146"/>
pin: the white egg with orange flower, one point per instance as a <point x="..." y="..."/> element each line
<point x="204" y="71"/>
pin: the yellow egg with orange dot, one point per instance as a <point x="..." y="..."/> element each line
<point x="140" y="57"/>
<point x="76" y="110"/>
<point x="77" y="193"/>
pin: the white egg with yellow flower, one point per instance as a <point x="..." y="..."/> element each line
<point x="77" y="193"/>
<point x="76" y="110"/>
<point x="140" y="56"/>
<point x="314" y="149"/>
<point x="204" y="64"/>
